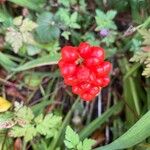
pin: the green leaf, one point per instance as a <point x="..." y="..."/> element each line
<point x="26" y="3"/>
<point x="111" y="14"/>
<point x="14" y="38"/>
<point x="33" y="50"/>
<point x="88" y="143"/>
<point x="7" y="63"/>
<point x="45" y="60"/>
<point x="27" y="25"/>
<point x="49" y="125"/>
<point x="25" y="114"/>
<point x="32" y="80"/>
<point x="66" y="34"/>
<point x="72" y="136"/>
<point x="74" y="17"/>
<point x="6" y="120"/>
<point x="28" y="132"/>
<point x="47" y="30"/>
<point x="18" y="20"/>
<point x="136" y="134"/>
<point x="104" y="21"/>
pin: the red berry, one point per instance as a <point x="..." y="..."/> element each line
<point x="107" y="67"/>
<point x="103" y="69"/>
<point x="77" y="89"/>
<point x="106" y="81"/>
<point x="92" y="62"/>
<point x="87" y="97"/>
<point x="71" y="80"/>
<point x="94" y="90"/>
<point x="83" y="73"/>
<point x="85" y="70"/>
<point x="68" y="69"/>
<point x="69" y="53"/>
<point x="97" y="52"/>
<point x="85" y="86"/>
<point x="84" y="50"/>
<point x="61" y="63"/>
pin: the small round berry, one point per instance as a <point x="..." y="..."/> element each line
<point x="92" y="62"/>
<point x="94" y="90"/>
<point x="84" y="50"/>
<point x="68" y="69"/>
<point x="77" y="89"/>
<point x="72" y="81"/>
<point x="87" y="97"/>
<point x="98" y="52"/>
<point x="106" y="81"/>
<point x="83" y="73"/>
<point x="69" y="53"/>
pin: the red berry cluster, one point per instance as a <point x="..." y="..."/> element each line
<point x="84" y="69"/>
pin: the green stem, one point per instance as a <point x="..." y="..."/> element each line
<point x="24" y="145"/>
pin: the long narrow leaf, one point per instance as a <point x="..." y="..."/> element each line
<point x="26" y="3"/>
<point x="45" y="60"/>
<point x="136" y="134"/>
<point x="6" y="62"/>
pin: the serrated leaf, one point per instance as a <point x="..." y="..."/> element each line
<point x="103" y="21"/>
<point x="68" y="144"/>
<point x="6" y="120"/>
<point x="49" y="125"/>
<point x="27" y="25"/>
<point x="14" y="38"/>
<point x="88" y="143"/>
<point x="146" y="35"/>
<point x="66" y="34"/>
<point x="25" y="113"/>
<point x="18" y="20"/>
<point x="72" y="136"/>
<point x="4" y="104"/>
<point x="28" y="38"/>
<point x="47" y="30"/>
<point x="111" y="14"/>
<point x="28" y="132"/>
<point x="74" y="17"/>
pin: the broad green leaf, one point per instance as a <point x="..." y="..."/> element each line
<point x="136" y="134"/>
<point x="47" y="30"/>
<point x="45" y="60"/>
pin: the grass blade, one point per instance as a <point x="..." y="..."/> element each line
<point x="136" y="134"/>
<point x="100" y="120"/>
